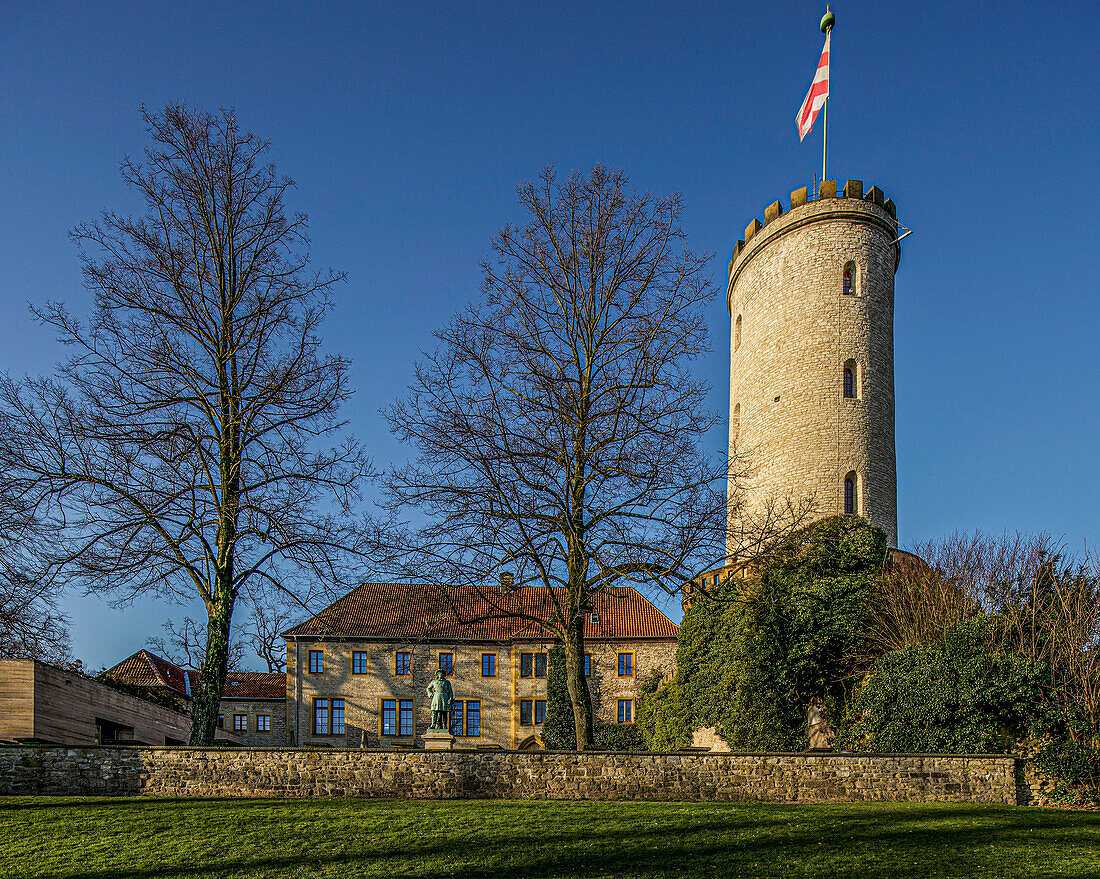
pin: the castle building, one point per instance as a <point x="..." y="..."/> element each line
<point x="357" y="671"/>
<point x="811" y="305"/>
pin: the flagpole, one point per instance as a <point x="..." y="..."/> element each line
<point x="827" y="22"/>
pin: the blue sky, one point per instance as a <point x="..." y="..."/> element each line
<point x="408" y="126"/>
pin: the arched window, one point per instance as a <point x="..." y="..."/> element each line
<point x="850" y="279"/>
<point x="737" y="333"/>
<point x="735" y="423"/>
<point x="852" y="381"/>
<point x="851" y="495"/>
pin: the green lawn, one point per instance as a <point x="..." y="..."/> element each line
<point x="132" y="838"/>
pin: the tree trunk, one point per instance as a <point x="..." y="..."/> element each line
<point x="576" y="682"/>
<point x="207" y="698"/>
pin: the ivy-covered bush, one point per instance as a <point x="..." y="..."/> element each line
<point x="619" y="737"/>
<point x="952" y="696"/>
<point x="752" y="657"/>
<point x="662" y="714"/>
<point x="559" y="733"/>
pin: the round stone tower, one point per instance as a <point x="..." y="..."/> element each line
<point x="811" y="304"/>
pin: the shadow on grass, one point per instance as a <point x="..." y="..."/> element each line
<point x="539" y="840"/>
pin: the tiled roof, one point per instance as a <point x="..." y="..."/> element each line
<point x="254" y="685"/>
<point x="418" y="611"/>
<point x="145" y="669"/>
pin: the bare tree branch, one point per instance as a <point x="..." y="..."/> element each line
<point x="558" y="424"/>
<point x="192" y="445"/>
<point x="184" y="644"/>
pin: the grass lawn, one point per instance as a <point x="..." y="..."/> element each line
<point x="132" y="838"/>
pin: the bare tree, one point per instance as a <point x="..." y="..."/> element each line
<point x="32" y="625"/>
<point x="271" y="615"/>
<point x="916" y="604"/>
<point x="184" y="448"/>
<point x="557" y="424"/>
<point x="185" y="645"/>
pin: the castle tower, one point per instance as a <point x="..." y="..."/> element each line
<point x="811" y="304"/>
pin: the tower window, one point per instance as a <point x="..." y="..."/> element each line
<point x="851" y="498"/>
<point x="735" y="423"/>
<point x="852" y="390"/>
<point x="850" y="279"/>
<point x="737" y="333"/>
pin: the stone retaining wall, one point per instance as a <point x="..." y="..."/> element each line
<point x="457" y="775"/>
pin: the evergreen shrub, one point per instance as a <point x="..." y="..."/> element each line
<point x="754" y="654"/>
<point x="956" y="695"/>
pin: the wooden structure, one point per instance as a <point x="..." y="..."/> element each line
<point x="43" y="703"/>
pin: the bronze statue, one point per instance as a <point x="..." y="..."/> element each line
<point x="442" y="697"/>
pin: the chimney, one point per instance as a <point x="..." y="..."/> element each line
<point x="507" y="582"/>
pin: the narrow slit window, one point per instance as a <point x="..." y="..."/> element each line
<point x="737" y="333"/>
<point x="850" y="276"/>
<point x="851" y="501"/>
<point x="852" y="380"/>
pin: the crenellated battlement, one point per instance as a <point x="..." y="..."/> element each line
<point x="853" y="190"/>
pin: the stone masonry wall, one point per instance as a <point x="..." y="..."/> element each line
<point x="173" y="772"/>
<point x="252" y="709"/>
<point x="793" y="332"/>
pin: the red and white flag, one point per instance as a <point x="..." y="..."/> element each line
<point x="815" y="97"/>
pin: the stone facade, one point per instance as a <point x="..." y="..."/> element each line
<point x="457" y="775"/>
<point x="794" y="330"/>
<point x="255" y="714"/>
<point x="500" y="696"/>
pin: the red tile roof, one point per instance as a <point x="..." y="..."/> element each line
<point x="145" y="669"/>
<point x="400" y="611"/>
<point x="254" y="685"/>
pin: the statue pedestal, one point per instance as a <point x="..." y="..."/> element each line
<point x="438" y="740"/>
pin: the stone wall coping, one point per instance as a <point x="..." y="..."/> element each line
<point x="460" y="752"/>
